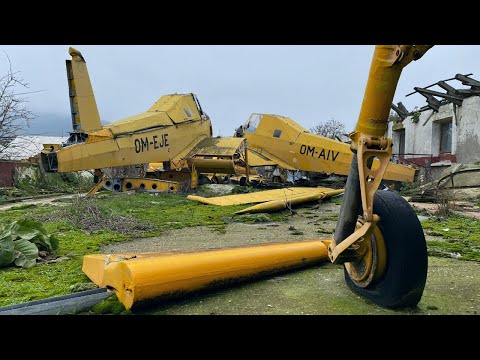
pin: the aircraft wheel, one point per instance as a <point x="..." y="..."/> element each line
<point x="392" y="266"/>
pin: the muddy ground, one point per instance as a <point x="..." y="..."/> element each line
<point x="453" y="286"/>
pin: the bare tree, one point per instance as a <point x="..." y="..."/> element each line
<point x="14" y="113"/>
<point x="331" y="129"/>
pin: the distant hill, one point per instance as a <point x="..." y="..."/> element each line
<point x="50" y="124"/>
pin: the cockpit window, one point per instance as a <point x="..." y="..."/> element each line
<point x="252" y="123"/>
<point x="277" y="133"/>
<point x="188" y="112"/>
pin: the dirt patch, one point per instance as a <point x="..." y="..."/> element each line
<point x="49" y="200"/>
<point x="238" y="234"/>
<point x="461" y="208"/>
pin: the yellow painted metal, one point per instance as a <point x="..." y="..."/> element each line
<point x="335" y="250"/>
<point x="178" y="107"/>
<point x="145" y="120"/>
<point x="263" y="196"/>
<point x="385" y="69"/>
<point x="86" y="116"/>
<point x="370" y="177"/>
<point x="194" y="177"/>
<point x="99" y="184"/>
<point x="171" y="127"/>
<point x="149" y="277"/>
<point x="270" y="157"/>
<point x="247" y="165"/>
<point x="226" y="146"/>
<point x="213" y="165"/>
<point x="154" y="145"/>
<point x="369" y="135"/>
<point x="297" y="149"/>
<point x="96" y="187"/>
<point x="99" y="135"/>
<point x="178" y="176"/>
<point x="94" y="265"/>
<point x="152" y="167"/>
<point x="51" y="147"/>
<point x="275" y="205"/>
<point x="256" y="159"/>
<point x="371" y="258"/>
<point x="149" y="184"/>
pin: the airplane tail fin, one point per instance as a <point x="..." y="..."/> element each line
<point x="85" y="116"/>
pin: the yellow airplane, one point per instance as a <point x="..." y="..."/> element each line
<point x="174" y="131"/>
<point x="275" y="140"/>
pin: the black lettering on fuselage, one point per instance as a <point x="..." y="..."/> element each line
<point x="311" y="150"/>
<point x="325" y="154"/>
<point x="322" y="154"/>
<point x="143" y="144"/>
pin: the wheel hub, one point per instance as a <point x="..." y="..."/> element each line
<point x="371" y="254"/>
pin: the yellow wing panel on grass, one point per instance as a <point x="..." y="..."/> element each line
<point x="263" y="196"/>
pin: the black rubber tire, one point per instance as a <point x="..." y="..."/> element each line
<point x="407" y="260"/>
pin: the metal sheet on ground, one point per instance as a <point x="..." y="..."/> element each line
<point x="60" y="305"/>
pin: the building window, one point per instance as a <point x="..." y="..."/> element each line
<point x="446" y="137"/>
<point x="277" y="133"/>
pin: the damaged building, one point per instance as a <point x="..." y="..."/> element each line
<point x="444" y="132"/>
<point x="19" y="153"/>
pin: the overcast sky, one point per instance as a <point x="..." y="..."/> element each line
<point x="310" y="84"/>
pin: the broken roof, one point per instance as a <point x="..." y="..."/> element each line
<point x="24" y="147"/>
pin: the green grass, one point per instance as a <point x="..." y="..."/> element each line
<point x="461" y="240"/>
<point x="86" y="224"/>
<point x="334" y="200"/>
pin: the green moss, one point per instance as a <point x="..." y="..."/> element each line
<point x="334" y="200"/>
<point x="160" y="212"/>
<point x="460" y="237"/>
<point x="328" y="218"/>
<point x="110" y="306"/>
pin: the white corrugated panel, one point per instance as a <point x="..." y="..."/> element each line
<point x="24" y="147"/>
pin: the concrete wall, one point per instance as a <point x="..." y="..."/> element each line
<point x="468" y="131"/>
<point x="423" y="137"/>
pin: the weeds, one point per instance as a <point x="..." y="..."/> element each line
<point x="459" y="237"/>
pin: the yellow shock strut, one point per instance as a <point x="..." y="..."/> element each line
<point x="369" y="142"/>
